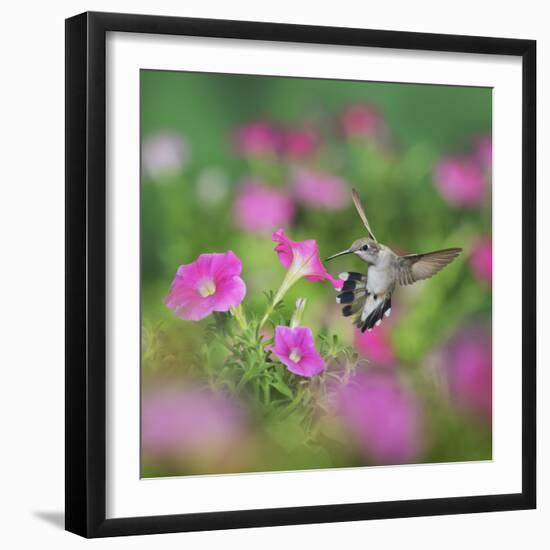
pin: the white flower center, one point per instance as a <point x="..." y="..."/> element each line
<point x="295" y="355"/>
<point x="206" y="288"/>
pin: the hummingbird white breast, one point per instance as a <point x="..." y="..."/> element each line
<point x="380" y="280"/>
<point x="381" y="276"/>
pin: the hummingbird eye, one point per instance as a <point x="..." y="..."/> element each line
<point x="365" y="247"/>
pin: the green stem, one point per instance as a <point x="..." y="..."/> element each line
<point x="289" y="409"/>
<point x="248" y="375"/>
<point x="296" y="319"/>
<point x="239" y="316"/>
<point x="291" y="277"/>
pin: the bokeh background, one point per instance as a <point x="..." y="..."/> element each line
<point x="228" y="159"/>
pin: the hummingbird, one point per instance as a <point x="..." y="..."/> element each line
<point x="368" y="296"/>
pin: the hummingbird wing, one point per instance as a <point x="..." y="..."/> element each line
<point x="361" y="212"/>
<point x="416" y="267"/>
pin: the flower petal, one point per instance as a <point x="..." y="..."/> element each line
<point x="383" y="416"/>
<point x="375" y="345"/>
<point x="283" y="341"/>
<point x="300" y="341"/>
<point x="300" y="141"/>
<point x="283" y="248"/>
<point x="220" y="272"/>
<point x="311" y="364"/>
<point x="303" y="258"/>
<point x="461" y="181"/>
<point x="226" y="265"/>
<point x="230" y="292"/>
<point x="481" y="259"/>
<point x="321" y="190"/>
<point x="259" y="137"/>
<point x="259" y="208"/>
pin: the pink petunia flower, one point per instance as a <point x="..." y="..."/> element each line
<point x="302" y="259"/>
<point x="259" y="137"/>
<point x="300" y="142"/>
<point x="484" y="151"/>
<point x="296" y="350"/>
<point x="190" y="423"/>
<point x="460" y="180"/>
<point x="164" y="153"/>
<point x="481" y="259"/>
<point x="321" y="190"/>
<point x="468" y="367"/>
<point x="375" y="346"/>
<point x="360" y="120"/>
<point x="210" y="283"/>
<point x="259" y="208"/>
<point x="383" y="417"/>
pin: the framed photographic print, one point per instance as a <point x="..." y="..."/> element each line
<point x="300" y="274"/>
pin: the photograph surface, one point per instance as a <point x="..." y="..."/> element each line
<point x="316" y="269"/>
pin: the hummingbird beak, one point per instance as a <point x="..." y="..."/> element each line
<point x="338" y="254"/>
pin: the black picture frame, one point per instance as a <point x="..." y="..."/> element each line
<point x="86" y="274"/>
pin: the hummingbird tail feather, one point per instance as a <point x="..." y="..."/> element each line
<point x="352" y="276"/>
<point x="355" y="307"/>
<point x="375" y="309"/>
<point x="353" y="293"/>
<point x="369" y="309"/>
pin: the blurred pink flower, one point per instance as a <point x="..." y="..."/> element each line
<point x="375" y="345"/>
<point x="481" y="259"/>
<point x="300" y="142"/>
<point x="302" y="259"/>
<point x="321" y="190"/>
<point x="259" y="208"/>
<point x="468" y="366"/>
<point x="295" y="348"/>
<point x="189" y="422"/>
<point x="484" y="151"/>
<point x="164" y="153"/>
<point x="460" y="180"/>
<point x="383" y="417"/>
<point x="210" y="283"/>
<point x="360" y="120"/>
<point x="259" y="137"/>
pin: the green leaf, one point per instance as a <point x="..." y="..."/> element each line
<point x="280" y="386"/>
